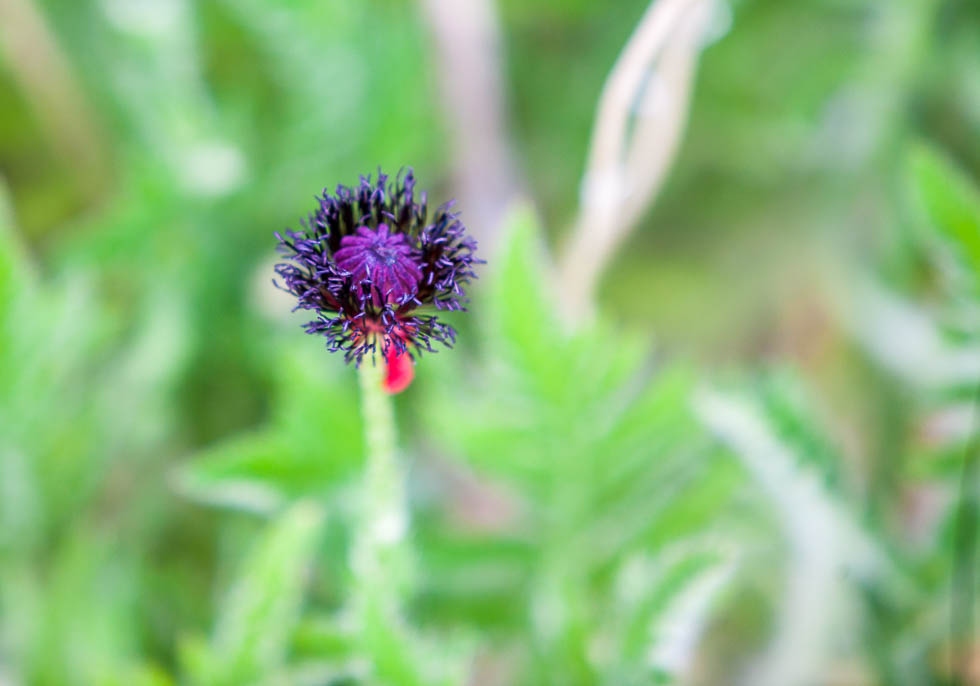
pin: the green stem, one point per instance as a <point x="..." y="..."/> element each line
<point x="381" y="559"/>
<point x="378" y="545"/>
<point x="383" y="514"/>
<point x="383" y="480"/>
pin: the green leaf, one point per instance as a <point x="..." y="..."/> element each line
<point x="76" y="624"/>
<point x="195" y="659"/>
<point x="952" y="202"/>
<point x="665" y="601"/>
<point x="144" y="675"/>
<point x="14" y="277"/>
<point x="257" y="619"/>
<point x="311" y="443"/>
<point x="828" y="541"/>
<point x="11" y="255"/>
<point x="322" y="638"/>
<point x="523" y="316"/>
<point x="250" y="472"/>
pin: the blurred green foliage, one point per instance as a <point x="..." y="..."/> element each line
<point x="179" y="464"/>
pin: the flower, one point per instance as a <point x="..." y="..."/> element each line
<point x="373" y="267"/>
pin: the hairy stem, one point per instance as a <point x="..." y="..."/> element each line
<point x="380" y="558"/>
<point x="383" y="514"/>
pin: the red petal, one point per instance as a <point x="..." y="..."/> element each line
<point x="399" y="372"/>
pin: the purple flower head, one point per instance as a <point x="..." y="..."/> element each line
<point x="373" y="266"/>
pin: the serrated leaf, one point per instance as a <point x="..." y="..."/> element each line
<point x="676" y="630"/>
<point x="312" y="442"/>
<point x="523" y="316"/>
<point x="952" y="202"/>
<point x="826" y="540"/>
<point x="258" y="616"/>
<point x="794" y="485"/>
<point x="665" y="601"/>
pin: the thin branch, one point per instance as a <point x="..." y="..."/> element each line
<point x="651" y="84"/>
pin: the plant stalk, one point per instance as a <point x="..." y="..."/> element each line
<point x="378" y="555"/>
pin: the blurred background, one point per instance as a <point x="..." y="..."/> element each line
<point x="711" y="419"/>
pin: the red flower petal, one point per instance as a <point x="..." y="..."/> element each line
<point x="399" y="372"/>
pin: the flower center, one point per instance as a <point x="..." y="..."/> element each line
<point x="382" y="260"/>
<point x="383" y="255"/>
